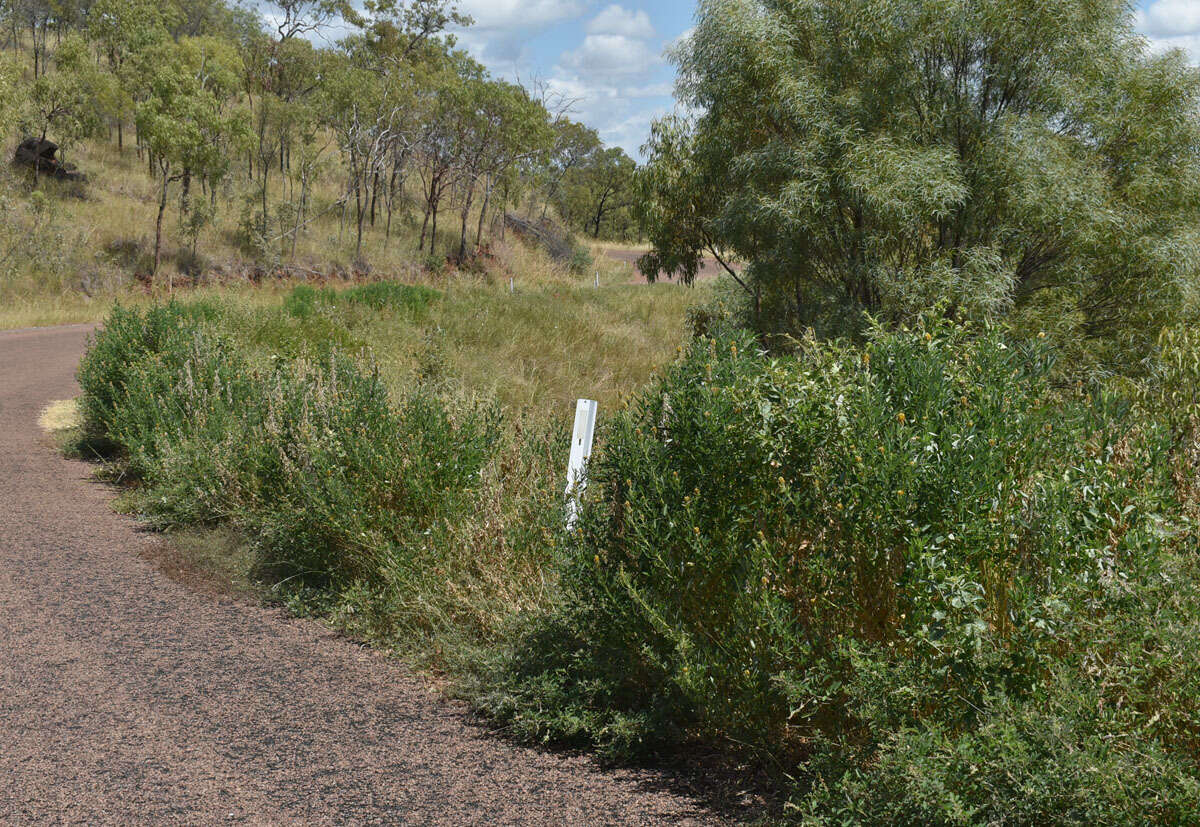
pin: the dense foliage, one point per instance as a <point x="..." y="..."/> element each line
<point x="913" y="576"/>
<point x="881" y="156"/>
<point x="936" y="571"/>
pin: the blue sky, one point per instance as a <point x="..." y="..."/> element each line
<point x="608" y="58"/>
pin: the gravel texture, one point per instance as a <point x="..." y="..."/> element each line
<point x="126" y="697"/>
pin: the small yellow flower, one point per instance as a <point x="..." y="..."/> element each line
<point x="746" y="672"/>
<point x="1042" y="335"/>
<point x="838" y="506"/>
<point x="928" y="337"/>
<point x="900" y="493"/>
<point x="697" y="530"/>
<point x="992" y="442"/>
<point x="597" y="559"/>
<point x="901" y="418"/>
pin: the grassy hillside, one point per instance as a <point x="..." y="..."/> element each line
<point x="67" y="250"/>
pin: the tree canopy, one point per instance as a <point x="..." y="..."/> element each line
<point x="884" y="156"/>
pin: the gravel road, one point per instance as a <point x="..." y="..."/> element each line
<point x="126" y="697"/>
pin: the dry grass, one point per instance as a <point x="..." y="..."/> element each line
<point x="62" y="415"/>
<point x="544" y="348"/>
<point x="68" y="251"/>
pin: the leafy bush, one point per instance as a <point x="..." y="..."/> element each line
<point x="581" y="259"/>
<point x="918" y="578"/>
<point x="894" y="177"/>
<point x="309" y="457"/>
<point x="131" y="344"/>
<point x="857" y="552"/>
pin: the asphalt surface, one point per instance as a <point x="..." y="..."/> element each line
<point x="126" y="697"/>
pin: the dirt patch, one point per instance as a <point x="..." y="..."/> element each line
<point x="710" y="268"/>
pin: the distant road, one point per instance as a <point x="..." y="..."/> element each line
<point x="129" y="698"/>
<point x="709" y="268"/>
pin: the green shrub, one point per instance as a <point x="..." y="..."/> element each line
<point x="327" y="477"/>
<point x="302" y="302"/>
<point x="834" y="550"/>
<point x="130" y="344"/>
<point x="581" y="259"/>
<point x="344" y="481"/>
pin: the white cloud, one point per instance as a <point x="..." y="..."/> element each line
<point x="1172" y="24"/>
<point x="615" y="76"/>
<point x="617" y="20"/>
<point x="520" y="14"/>
<point x="606" y="57"/>
<point x="1170" y="18"/>
<point x="1190" y="43"/>
<point x="503" y="29"/>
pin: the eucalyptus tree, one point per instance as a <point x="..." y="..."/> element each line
<point x="883" y="156"/>
<point x="187" y="129"/>
<point x="501" y="126"/>
<point x="573" y="143"/>
<point x="34" y="17"/>
<point x="443" y="130"/>
<point x="599" y="188"/>
<point x="119" y="29"/>
<point x="364" y="110"/>
<point x="61" y="102"/>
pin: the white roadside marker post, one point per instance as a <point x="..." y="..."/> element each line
<point x="510" y="284"/>
<point x="581" y="452"/>
<point x="597" y="282"/>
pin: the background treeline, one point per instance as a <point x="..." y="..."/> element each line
<point x="244" y="117"/>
